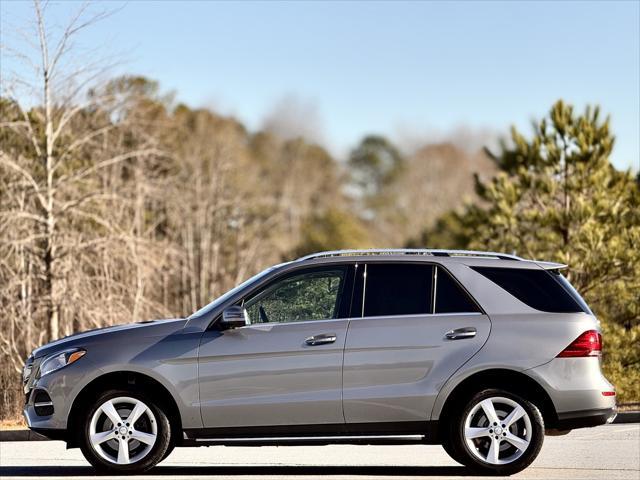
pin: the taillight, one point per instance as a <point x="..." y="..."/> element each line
<point x="588" y="344"/>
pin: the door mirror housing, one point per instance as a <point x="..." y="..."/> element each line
<point x="234" y="317"/>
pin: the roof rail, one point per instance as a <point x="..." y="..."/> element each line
<point x="410" y="251"/>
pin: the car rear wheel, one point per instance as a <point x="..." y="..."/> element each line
<point x="497" y="432"/>
<point x="447" y="444"/>
<point x="125" y="432"/>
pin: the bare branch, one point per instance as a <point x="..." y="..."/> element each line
<point x="5" y="160"/>
<point x="106" y="163"/>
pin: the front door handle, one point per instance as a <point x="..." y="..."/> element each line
<point x="460" y="333"/>
<point x="321" y="339"/>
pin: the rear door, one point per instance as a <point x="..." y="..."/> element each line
<point x="417" y="326"/>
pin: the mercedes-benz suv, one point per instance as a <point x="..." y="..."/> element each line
<point x="479" y="352"/>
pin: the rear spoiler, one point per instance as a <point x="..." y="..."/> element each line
<point x="551" y="265"/>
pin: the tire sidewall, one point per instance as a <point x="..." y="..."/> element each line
<point x="449" y="446"/>
<point x="529" y="455"/>
<point x="163" y="438"/>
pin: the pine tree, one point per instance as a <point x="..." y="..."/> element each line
<point x="558" y="198"/>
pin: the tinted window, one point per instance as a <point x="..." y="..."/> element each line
<point x="308" y="296"/>
<point x="450" y="296"/>
<point x="397" y="289"/>
<point x="537" y="288"/>
<point x="570" y="290"/>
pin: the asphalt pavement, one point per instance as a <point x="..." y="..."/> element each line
<point x="609" y="452"/>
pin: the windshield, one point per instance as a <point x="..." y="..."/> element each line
<point x="220" y="300"/>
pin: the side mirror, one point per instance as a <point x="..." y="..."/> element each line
<point x="234" y="317"/>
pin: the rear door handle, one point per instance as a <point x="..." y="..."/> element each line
<point x="321" y="339"/>
<point x="460" y="333"/>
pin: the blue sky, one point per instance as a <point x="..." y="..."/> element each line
<point x="413" y="71"/>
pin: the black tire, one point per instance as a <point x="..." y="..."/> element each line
<point x="451" y="451"/>
<point x="460" y="451"/>
<point x="155" y="455"/>
<point x="172" y="445"/>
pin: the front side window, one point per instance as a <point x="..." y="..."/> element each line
<point x="397" y="289"/>
<point x="314" y="295"/>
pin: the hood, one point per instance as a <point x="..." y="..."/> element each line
<point x="147" y="328"/>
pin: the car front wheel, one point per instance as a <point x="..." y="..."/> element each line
<point x="497" y="433"/>
<point x="125" y="432"/>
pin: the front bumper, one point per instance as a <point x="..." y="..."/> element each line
<point x="47" y="421"/>
<point x="49" y="398"/>
<point x="42" y="414"/>
<point x="39" y="408"/>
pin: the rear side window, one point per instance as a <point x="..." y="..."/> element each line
<point x="538" y="289"/>
<point x="397" y="289"/>
<point x="450" y="297"/>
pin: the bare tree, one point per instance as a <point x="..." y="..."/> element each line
<point x="55" y="157"/>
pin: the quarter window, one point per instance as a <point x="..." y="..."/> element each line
<point x="307" y="296"/>
<point x="538" y="289"/>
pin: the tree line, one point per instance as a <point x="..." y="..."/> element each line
<point x="119" y="204"/>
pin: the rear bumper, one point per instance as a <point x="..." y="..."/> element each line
<point x="586" y="418"/>
<point x="580" y="394"/>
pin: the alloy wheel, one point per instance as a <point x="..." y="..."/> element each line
<point x="123" y="430"/>
<point x="497" y="430"/>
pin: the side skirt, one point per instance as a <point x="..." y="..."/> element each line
<point x="386" y="433"/>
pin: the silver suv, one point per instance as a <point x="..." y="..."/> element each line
<point x="479" y="352"/>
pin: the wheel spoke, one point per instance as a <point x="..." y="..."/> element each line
<point x="519" y="443"/>
<point x="489" y="410"/>
<point x="136" y="413"/>
<point x="514" y="416"/>
<point x="123" y="451"/>
<point x="143" y="437"/>
<point x="98" y="438"/>
<point x="493" y="454"/>
<point x="111" y="412"/>
<point x="475" y="432"/>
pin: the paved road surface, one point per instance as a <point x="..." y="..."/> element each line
<point x="609" y="452"/>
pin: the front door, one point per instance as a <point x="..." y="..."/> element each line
<point x="285" y="368"/>
<point x="398" y="354"/>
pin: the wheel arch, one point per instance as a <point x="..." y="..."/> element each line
<point x="509" y="380"/>
<point x="124" y="380"/>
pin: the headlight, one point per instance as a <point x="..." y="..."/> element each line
<point x="26" y="373"/>
<point x="61" y="359"/>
